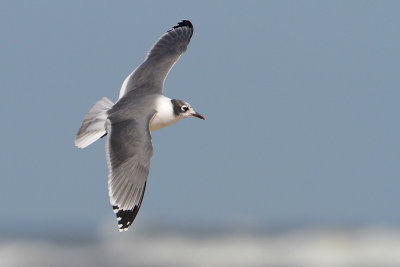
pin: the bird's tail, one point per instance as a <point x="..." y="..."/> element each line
<point x="94" y="124"/>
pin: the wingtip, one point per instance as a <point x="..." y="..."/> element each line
<point x="184" y="23"/>
<point x="125" y="218"/>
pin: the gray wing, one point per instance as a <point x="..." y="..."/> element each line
<point x="151" y="74"/>
<point x="128" y="153"/>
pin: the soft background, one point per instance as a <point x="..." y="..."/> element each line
<point x="297" y="163"/>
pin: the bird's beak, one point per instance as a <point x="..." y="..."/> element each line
<point x="198" y="115"/>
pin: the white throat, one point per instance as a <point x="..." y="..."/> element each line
<point x="165" y="114"/>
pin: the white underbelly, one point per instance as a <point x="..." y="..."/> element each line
<point x="159" y="123"/>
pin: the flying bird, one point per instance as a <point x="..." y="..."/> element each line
<point x="140" y="109"/>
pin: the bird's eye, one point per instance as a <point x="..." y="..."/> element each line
<point x="184" y="108"/>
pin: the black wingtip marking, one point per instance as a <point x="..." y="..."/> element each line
<point x="126" y="217"/>
<point x="184" y="23"/>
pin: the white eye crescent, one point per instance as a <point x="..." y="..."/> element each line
<point x="184" y="108"/>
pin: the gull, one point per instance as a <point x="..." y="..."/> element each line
<point x="141" y="108"/>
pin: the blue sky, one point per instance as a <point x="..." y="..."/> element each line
<point x="300" y="99"/>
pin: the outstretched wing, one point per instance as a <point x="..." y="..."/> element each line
<point x="151" y="74"/>
<point x="128" y="153"/>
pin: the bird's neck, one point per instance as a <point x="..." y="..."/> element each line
<point x="165" y="114"/>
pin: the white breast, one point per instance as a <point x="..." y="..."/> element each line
<point x="165" y="114"/>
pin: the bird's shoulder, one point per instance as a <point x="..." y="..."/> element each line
<point x="136" y="105"/>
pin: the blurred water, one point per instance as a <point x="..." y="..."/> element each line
<point x="363" y="247"/>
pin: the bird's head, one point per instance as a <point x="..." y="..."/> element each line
<point x="184" y="110"/>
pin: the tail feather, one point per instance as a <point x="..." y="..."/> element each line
<point x="93" y="125"/>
